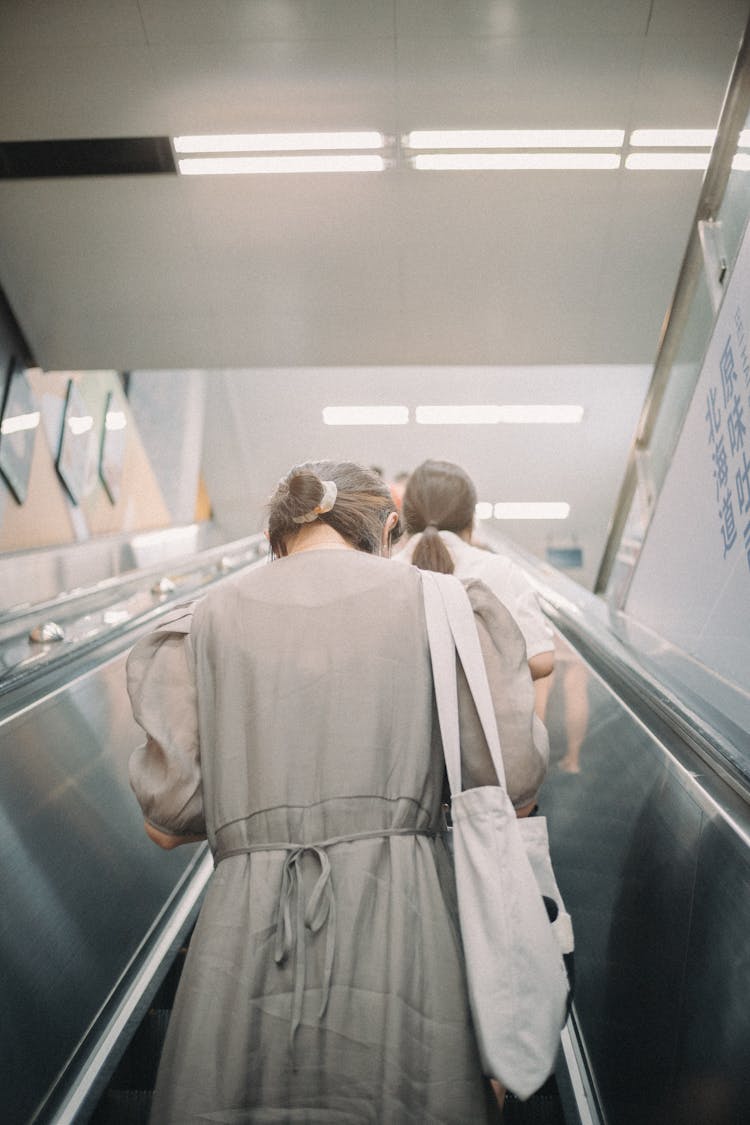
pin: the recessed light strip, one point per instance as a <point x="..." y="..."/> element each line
<point x="366" y="415"/>
<point x="667" y="161"/>
<point x="514" y="161"/>
<point x="672" y="138"/>
<point x="277" y="142"/>
<point x="259" y="165"/>
<point x="514" y="138"/>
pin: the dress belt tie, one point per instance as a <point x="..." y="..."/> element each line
<point x="294" y="917"/>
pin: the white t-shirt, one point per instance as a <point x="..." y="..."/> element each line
<point x="507" y="582"/>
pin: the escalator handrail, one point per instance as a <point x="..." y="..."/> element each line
<point x="250" y="552"/>
<point x="590" y="624"/>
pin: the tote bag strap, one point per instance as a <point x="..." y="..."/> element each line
<point x="463" y="626"/>
<point x="443" y="660"/>
<point x="451" y="628"/>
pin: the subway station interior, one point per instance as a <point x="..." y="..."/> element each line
<point x="510" y="234"/>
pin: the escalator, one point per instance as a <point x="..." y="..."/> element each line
<point x="91" y="912"/>
<point x="650" y="834"/>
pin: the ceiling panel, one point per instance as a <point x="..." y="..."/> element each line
<point x="422" y="18"/>
<point x="61" y="24"/>
<point x="76" y="91"/>
<point x="699" y="19"/>
<point x="528" y="82"/>
<point x="195" y="21"/>
<point x="278" y="86"/>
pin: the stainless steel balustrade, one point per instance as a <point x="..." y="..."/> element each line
<point x="89" y="906"/>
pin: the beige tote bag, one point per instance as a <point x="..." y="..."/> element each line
<point x="516" y="978"/>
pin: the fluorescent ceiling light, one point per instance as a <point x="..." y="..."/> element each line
<point x="17" y="423"/>
<point x="80" y="423"/>
<point x="269" y="165"/>
<point x="467" y="415"/>
<point x="515" y="138"/>
<point x="514" y="161"/>
<point x="276" y="142"/>
<point x="115" y="420"/>
<point x="741" y="162"/>
<point x="457" y="415"/>
<point x="667" y="161"/>
<point x="483" y="510"/>
<point x="532" y="511"/>
<point x="366" y="415"/>
<point x="672" y="138"/>
<point x="744" y="141"/>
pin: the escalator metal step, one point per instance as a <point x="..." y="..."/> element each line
<point x="540" y="1109"/>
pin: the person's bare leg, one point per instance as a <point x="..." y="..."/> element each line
<point x="576" y="715"/>
<point x="499" y="1092"/>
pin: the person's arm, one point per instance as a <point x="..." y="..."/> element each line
<point x="166" y="840"/>
<point x="525" y="751"/>
<point x="165" y="773"/>
<point x="542" y="665"/>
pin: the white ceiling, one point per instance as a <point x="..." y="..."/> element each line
<point x="340" y="274"/>
<point x="399" y="267"/>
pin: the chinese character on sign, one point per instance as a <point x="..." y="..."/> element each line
<point x="736" y="426"/>
<point x="747" y="544"/>
<point x="713" y="415"/>
<point x="728" y="372"/>
<point x="721" y="467"/>
<point x="742" y="484"/>
<point x="728" y="526"/>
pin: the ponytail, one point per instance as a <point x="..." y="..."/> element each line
<point x="431" y="552"/>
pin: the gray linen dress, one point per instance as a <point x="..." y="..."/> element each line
<point x="290" y="717"/>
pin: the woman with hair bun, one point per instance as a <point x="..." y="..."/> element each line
<point x="290" y="719"/>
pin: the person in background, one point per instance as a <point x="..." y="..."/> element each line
<point x="398" y="484"/>
<point x="290" y="719"/>
<point x="438" y="513"/>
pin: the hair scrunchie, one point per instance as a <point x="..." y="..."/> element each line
<point x="327" y="500"/>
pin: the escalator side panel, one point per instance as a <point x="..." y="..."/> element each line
<point x="653" y="881"/>
<point x="80" y="883"/>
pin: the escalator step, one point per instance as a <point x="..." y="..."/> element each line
<point x="540" y="1109"/>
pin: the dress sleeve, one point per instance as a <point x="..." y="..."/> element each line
<point x="523" y="738"/>
<point x="165" y="772"/>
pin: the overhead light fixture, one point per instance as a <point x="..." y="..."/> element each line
<point x="277" y="142"/>
<point x="667" y="161"/>
<point x="80" y="423"/>
<point x="532" y="511"/>
<point x="457" y="415"/>
<point x="741" y="162"/>
<point x="515" y="161"/>
<point x="483" y="510"/>
<point x="17" y="423"/>
<point x="514" y="138"/>
<point x="366" y="415"/>
<point x="520" y="413"/>
<point x="270" y="165"/>
<point x="115" y="420"/>
<point x="672" y="138"/>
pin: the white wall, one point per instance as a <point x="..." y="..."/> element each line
<point x="260" y="422"/>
